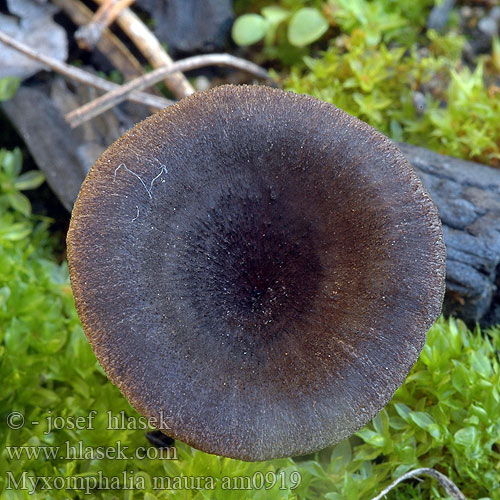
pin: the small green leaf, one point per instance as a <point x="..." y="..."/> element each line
<point x="306" y="26"/>
<point x="467" y="437"/>
<point x="435" y="431"/>
<point x="8" y="87"/>
<point x="481" y="413"/>
<point x="402" y="469"/>
<point x="15" y="232"/>
<point x="45" y="398"/>
<point x="4" y="295"/>
<point x="407" y="454"/>
<point x="341" y="456"/>
<point x="249" y="29"/>
<point x="370" y="437"/>
<point x="274" y="14"/>
<point x="29" y="180"/>
<point x="459" y="377"/>
<point x="422" y="419"/>
<point x="20" y="203"/>
<point x="397" y="423"/>
<point x="47" y="342"/>
<point x="12" y="162"/>
<point x="377" y="424"/>
<point x="314" y="468"/>
<point x="403" y="410"/>
<point x="396" y="130"/>
<point x="16" y="337"/>
<point x="495" y="53"/>
<point x="481" y="364"/>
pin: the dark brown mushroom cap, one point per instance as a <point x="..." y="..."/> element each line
<point x="258" y="268"/>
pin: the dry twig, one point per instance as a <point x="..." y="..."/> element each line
<point x="152" y="50"/>
<point x="87" y="36"/>
<point x="109" y="44"/>
<point x="449" y="486"/>
<point x="103" y="103"/>
<point x="82" y="76"/>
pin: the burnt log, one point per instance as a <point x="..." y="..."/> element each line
<point x="50" y="140"/>
<point x="191" y="26"/>
<point x="467" y="195"/>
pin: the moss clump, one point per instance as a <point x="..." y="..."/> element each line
<point x="375" y="83"/>
<point x="423" y="97"/>
<point x="377" y="61"/>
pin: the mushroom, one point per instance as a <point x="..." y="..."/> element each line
<point x="256" y="268"/>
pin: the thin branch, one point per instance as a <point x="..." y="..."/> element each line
<point x="82" y="76"/>
<point x="87" y="36"/>
<point x="151" y="48"/>
<point x="449" y="486"/>
<point x="109" y="44"/>
<point x="106" y="101"/>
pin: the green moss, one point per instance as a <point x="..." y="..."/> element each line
<point x="375" y="84"/>
<point x="379" y="63"/>
<point x="468" y="127"/>
<point x="387" y="21"/>
<point x="400" y="21"/>
<point x="445" y="414"/>
<point x="378" y="84"/>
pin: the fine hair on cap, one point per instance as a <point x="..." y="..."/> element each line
<point x="258" y="268"/>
